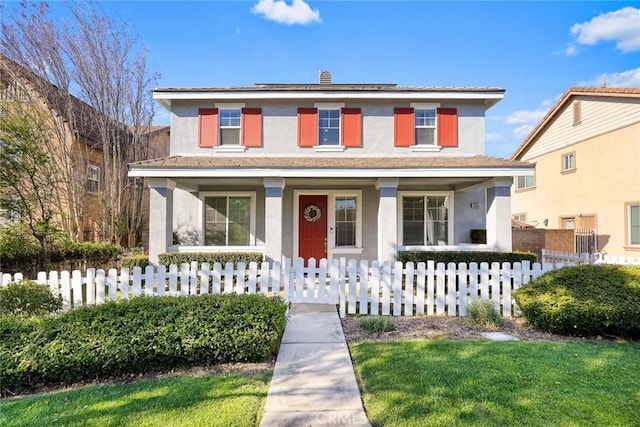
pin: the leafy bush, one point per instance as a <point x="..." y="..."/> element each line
<point x="377" y="324"/>
<point x="16" y="243"/>
<point x="585" y="300"/>
<point x="484" y="314"/>
<point x="465" y="256"/>
<point x="140" y="335"/>
<point x="28" y="298"/>
<point x="179" y="258"/>
<point x="138" y="260"/>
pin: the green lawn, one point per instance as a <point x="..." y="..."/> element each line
<point x="212" y="400"/>
<point x="482" y="383"/>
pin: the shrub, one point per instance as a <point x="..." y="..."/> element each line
<point x="140" y="335"/>
<point x="179" y="258"/>
<point x="377" y="324"/>
<point x="484" y="314"/>
<point x="17" y="243"/>
<point x="137" y="260"/>
<point x="28" y="298"/>
<point x="465" y="256"/>
<point x="585" y="300"/>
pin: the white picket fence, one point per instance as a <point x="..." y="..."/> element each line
<point x="357" y="287"/>
<point x="586" y="258"/>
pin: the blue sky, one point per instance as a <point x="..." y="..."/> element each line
<point x="535" y="50"/>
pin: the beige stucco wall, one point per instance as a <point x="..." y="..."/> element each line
<point x="606" y="178"/>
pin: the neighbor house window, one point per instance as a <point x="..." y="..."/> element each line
<point x="345" y="220"/>
<point x="568" y="162"/>
<point x="93" y="178"/>
<point x="328" y="127"/>
<point x="520" y="217"/>
<point x="230" y="127"/>
<point x="577" y="113"/>
<point x="634" y="224"/>
<point x="228" y="220"/>
<point x="425" y="122"/>
<point x="425" y="220"/>
<point x="525" y="182"/>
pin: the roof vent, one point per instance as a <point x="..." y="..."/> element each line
<point x="325" y="77"/>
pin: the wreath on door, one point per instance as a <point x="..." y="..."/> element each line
<point x="312" y="213"/>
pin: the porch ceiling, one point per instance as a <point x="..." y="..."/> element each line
<point x="330" y="167"/>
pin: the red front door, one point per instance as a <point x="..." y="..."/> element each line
<point x="312" y="226"/>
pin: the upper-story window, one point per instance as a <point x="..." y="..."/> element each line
<point x="525" y="182"/>
<point x="425" y="127"/>
<point x="93" y="178"/>
<point x="568" y="162"/>
<point x="328" y="127"/>
<point x="230" y="127"/>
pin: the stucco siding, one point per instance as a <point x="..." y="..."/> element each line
<point x="280" y="127"/>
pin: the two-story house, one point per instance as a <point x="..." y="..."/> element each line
<point x="327" y="170"/>
<point x="586" y="152"/>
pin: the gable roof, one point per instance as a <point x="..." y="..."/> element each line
<point x="564" y="100"/>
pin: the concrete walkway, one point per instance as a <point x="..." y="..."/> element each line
<point x="313" y="381"/>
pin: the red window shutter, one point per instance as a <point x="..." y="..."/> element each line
<point x="207" y="127"/>
<point x="307" y="127"/>
<point x="252" y="127"/>
<point x="447" y="127"/>
<point x="351" y="127"/>
<point x="404" y="127"/>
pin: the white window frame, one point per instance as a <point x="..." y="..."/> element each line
<point x="230" y="148"/>
<point x="332" y="250"/>
<point x="427" y="194"/>
<point x="426" y="106"/>
<point x="525" y="186"/>
<point x="252" y="218"/>
<point x="629" y="225"/>
<point x="565" y="159"/>
<point x="329" y="106"/>
<point x="98" y="182"/>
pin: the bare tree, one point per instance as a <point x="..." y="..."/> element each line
<point x="95" y="60"/>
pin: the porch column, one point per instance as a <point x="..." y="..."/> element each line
<point x="387" y="219"/>
<point x="273" y="218"/>
<point x="499" y="214"/>
<point x="160" y="216"/>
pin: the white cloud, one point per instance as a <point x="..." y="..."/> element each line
<point x="629" y="78"/>
<point x="298" y="12"/>
<point x="493" y="137"/>
<point x="523" y="131"/>
<point x="525" y="116"/>
<point x="621" y="26"/>
<point x="570" y="50"/>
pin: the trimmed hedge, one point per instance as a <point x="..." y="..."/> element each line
<point x="465" y="256"/>
<point x="179" y="258"/>
<point x="585" y="300"/>
<point x="140" y="335"/>
<point x="138" y="260"/>
<point x="28" y="298"/>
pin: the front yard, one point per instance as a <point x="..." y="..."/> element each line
<point x="429" y="376"/>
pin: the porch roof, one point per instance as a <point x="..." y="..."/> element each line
<point x="380" y="167"/>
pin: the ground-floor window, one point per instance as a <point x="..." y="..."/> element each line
<point x="228" y="219"/>
<point x="633" y="216"/>
<point x="345" y="220"/>
<point x="425" y="219"/>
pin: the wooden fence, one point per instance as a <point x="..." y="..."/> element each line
<point x="357" y="287"/>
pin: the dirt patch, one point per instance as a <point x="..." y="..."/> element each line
<point x="442" y="327"/>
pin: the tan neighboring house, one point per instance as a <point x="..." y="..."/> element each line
<point x="586" y="152"/>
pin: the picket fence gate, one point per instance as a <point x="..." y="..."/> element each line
<point x="356" y="287"/>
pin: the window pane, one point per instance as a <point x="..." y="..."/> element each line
<point x="437" y="220"/>
<point x="413" y="221"/>
<point x="329" y="127"/>
<point x="345" y="221"/>
<point x="239" y="221"/>
<point x="634" y="222"/>
<point x="229" y="136"/>
<point x="215" y="221"/>
<point x="425" y="136"/>
<point x="229" y="118"/>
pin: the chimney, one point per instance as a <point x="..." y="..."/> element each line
<point x="325" y="77"/>
<point x="603" y="83"/>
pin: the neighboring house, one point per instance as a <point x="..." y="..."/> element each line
<point x="586" y="152"/>
<point x="328" y="170"/>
